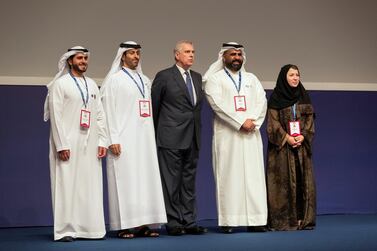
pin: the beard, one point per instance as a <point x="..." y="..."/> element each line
<point x="132" y="64"/>
<point x="233" y="66"/>
<point x="79" y="68"/>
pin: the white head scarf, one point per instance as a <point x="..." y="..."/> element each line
<point x="117" y="63"/>
<point x="63" y="68"/>
<point x="219" y="64"/>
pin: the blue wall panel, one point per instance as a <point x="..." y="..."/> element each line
<point x="344" y="156"/>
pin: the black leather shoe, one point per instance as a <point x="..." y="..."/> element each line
<point x="196" y="230"/>
<point x="175" y="231"/>
<point x="226" y="230"/>
<point x="66" y="239"/>
<point x="257" y="229"/>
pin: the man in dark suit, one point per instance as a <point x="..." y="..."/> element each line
<point x="176" y="100"/>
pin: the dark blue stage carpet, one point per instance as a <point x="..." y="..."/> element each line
<point x="333" y="232"/>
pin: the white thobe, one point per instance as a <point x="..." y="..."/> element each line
<point x="238" y="156"/>
<point x="76" y="184"/>
<point x="134" y="183"/>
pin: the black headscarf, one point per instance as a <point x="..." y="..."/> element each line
<point x="284" y="95"/>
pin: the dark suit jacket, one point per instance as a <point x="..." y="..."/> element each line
<point x="176" y="120"/>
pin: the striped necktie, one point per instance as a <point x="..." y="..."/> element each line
<point x="189" y="87"/>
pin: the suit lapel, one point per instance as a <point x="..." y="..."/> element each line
<point x="198" y="87"/>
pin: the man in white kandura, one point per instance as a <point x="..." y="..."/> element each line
<point x="135" y="192"/>
<point x="239" y="104"/>
<point x="77" y="143"/>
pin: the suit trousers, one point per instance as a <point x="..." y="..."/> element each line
<point x="178" y="172"/>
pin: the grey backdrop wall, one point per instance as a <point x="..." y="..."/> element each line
<point x="332" y="41"/>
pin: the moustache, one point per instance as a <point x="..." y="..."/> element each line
<point x="236" y="60"/>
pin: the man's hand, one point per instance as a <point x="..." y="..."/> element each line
<point x="101" y="152"/>
<point x="115" y="149"/>
<point x="64" y="155"/>
<point x="248" y="126"/>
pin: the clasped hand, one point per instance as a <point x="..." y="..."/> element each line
<point x="295" y="141"/>
<point x="248" y="126"/>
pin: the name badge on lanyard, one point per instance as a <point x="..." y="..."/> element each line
<point x="85" y="113"/>
<point x="240" y="103"/>
<point x="294" y="126"/>
<point x="239" y="100"/>
<point x="145" y="108"/>
<point x="144" y="105"/>
<point x="85" y="118"/>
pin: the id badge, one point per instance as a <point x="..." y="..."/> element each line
<point x="294" y="128"/>
<point x="85" y="119"/>
<point x="145" y="108"/>
<point x="240" y="103"/>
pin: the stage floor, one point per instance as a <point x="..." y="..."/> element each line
<point x="333" y="232"/>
